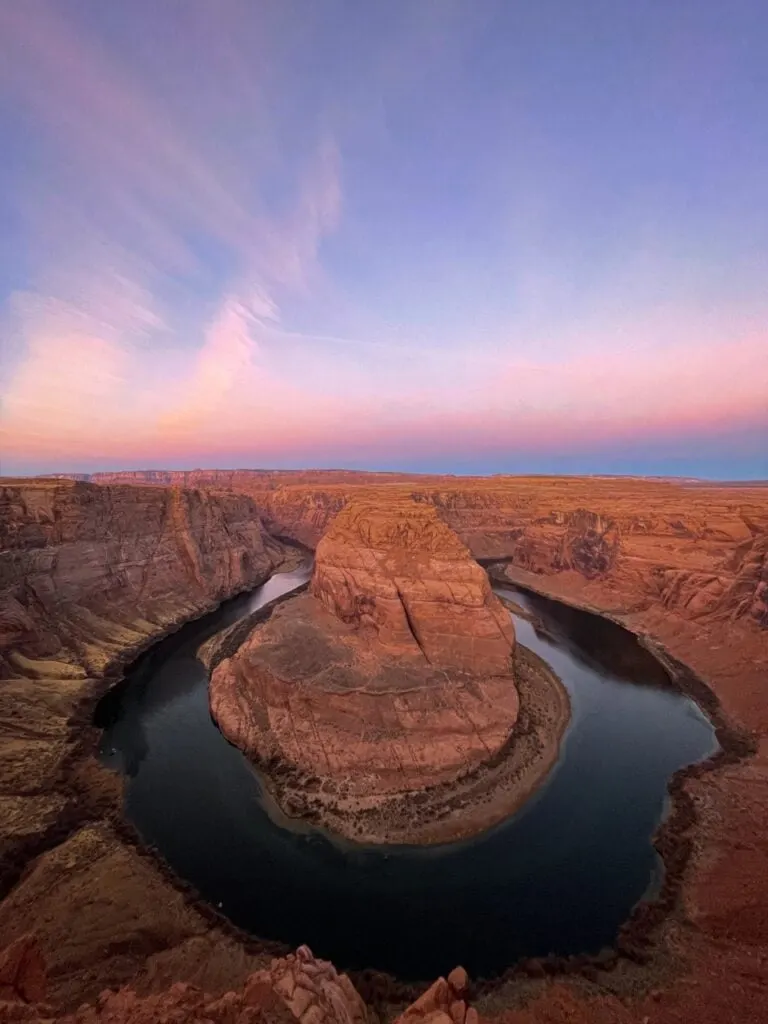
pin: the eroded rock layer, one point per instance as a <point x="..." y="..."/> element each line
<point x="399" y="571"/>
<point x="698" y="549"/>
<point x="89" y="576"/>
<point x="380" y="703"/>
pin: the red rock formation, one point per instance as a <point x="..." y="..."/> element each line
<point x="74" y="554"/>
<point x="88" y="576"/>
<point x="297" y="988"/>
<point x="393" y="677"/>
<point x="22" y="972"/>
<point x="444" y="1002"/>
<point x="399" y="570"/>
<point x="678" y="542"/>
<point x="683" y="564"/>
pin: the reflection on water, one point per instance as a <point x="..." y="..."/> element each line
<point x="166" y="672"/>
<point x="560" y="876"/>
<point x="590" y="640"/>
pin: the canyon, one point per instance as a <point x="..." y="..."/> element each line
<point x="92" y="572"/>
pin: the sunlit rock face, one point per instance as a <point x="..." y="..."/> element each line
<point x="398" y="571"/>
<point x="392" y="676"/>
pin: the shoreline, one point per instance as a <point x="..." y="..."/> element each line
<point x="637" y="955"/>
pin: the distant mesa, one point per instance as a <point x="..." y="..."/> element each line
<point x="383" y="702"/>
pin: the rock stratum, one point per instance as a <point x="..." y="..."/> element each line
<point x="683" y="564"/>
<point x="90" y="576"/>
<point x="697" y="549"/>
<point x="383" y="704"/>
<point x="398" y="571"/>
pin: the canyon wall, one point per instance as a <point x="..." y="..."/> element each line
<point x="696" y="549"/>
<point x="85" y="569"/>
<point x="89" y="576"/>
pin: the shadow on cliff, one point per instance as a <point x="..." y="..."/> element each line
<point x="591" y="640"/>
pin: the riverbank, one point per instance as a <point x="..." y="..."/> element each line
<point x="703" y="927"/>
<point x="455" y="809"/>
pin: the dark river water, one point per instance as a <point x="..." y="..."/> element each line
<point x="560" y="876"/>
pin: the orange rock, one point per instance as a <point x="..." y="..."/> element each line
<point x="458" y="1011"/>
<point x="22" y="972"/>
<point x="458" y="980"/>
<point x="437" y="997"/>
<point x="400" y="571"/>
<point x="392" y="676"/>
<point x="332" y="1000"/>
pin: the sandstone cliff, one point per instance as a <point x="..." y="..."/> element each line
<point x="697" y="548"/>
<point x="138" y="559"/>
<point x="88" y="577"/>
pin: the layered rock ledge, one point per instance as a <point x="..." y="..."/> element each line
<point x="390" y="703"/>
<point x="89" y="577"/>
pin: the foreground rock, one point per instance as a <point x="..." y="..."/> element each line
<point x="383" y="704"/>
<point x="298" y="987"/>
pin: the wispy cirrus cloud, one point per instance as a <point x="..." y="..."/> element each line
<point x="141" y="212"/>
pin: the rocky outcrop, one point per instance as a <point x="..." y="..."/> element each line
<point x="297" y="989"/>
<point x="383" y="703"/>
<point x="398" y="570"/>
<point x="89" y="576"/>
<point x="444" y="1002"/>
<point x="105" y="916"/>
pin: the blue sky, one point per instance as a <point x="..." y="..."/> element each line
<point x="487" y="237"/>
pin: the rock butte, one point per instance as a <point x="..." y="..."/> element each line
<point x="92" y="572"/>
<point x="391" y="679"/>
<point x="400" y="571"/>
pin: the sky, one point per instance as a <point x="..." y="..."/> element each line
<point x="433" y="235"/>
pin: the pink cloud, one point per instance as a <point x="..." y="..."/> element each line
<point x="231" y="402"/>
<point x="55" y="402"/>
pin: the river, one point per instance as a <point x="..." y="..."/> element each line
<point x="560" y="876"/>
